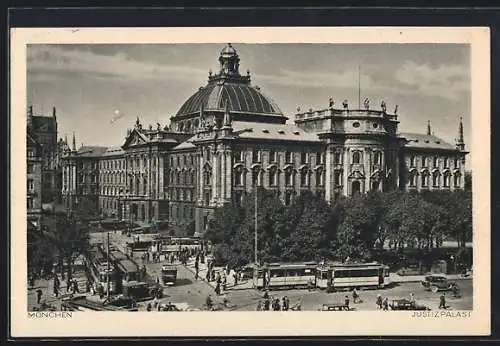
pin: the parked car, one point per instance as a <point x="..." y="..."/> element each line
<point x="437" y="283"/>
<point x="405" y="304"/>
<point x="334" y="307"/>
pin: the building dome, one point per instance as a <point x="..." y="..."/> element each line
<point x="231" y="88"/>
<point x="240" y="98"/>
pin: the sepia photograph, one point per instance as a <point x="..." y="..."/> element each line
<point x="281" y="177"/>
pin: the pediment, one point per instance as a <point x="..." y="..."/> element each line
<point x="135" y="138"/>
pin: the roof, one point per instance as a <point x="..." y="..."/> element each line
<point x="423" y="141"/>
<point x="113" y="151"/>
<point x="240" y="97"/>
<point x="91" y="151"/>
<point x="128" y="265"/>
<point x="185" y="145"/>
<point x="285" y="132"/>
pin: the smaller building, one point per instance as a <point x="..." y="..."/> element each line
<point x="33" y="180"/>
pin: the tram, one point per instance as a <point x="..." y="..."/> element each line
<point x="98" y="269"/>
<point x="168" y="274"/>
<point x="333" y="276"/>
<point x="359" y="275"/>
<point x="284" y="275"/>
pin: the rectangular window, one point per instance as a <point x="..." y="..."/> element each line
<point x="288" y="157"/>
<point x="288" y="178"/>
<point x="338" y="178"/>
<point x="30" y="168"/>
<point x="412" y="161"/>
<point x="31" y="153"/>
<point x="424" y="161"/>
<point x="272" y="156"/>
<point x="255" y="155"/>
<point x="336" y="158"/>
<point x="303" y="158"/>
<point x="319" y="158"/>
<point x="29" y="202"/>
<point x="319" y="178"/>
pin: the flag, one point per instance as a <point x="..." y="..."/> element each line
<point x="116" y="115"/>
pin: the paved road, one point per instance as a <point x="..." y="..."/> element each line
<point x="312" y="300"/>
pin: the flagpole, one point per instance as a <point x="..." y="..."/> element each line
<point x="359" y="86"/>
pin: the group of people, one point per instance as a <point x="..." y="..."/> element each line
<point x="383" y="303"/>
<point x="276" y="304"/>
<point x="158" y="306"/>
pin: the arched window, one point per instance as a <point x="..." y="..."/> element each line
<point x="435" y="179"/>
<point x="356" y="157"/>
<point x="457" y="162"/>
<point x="303" y="158"/>
<point x="145" y="186"/>
<point x="319" y="177"/>
<point x="456" y="180"/>
<point x="377" y="158"/>
<point x="255" y="155"/>
<point x="273" y="177"/>
<point x="446" y="180"/>
<point x="289" y="177"/>
<point x="256" y="175"/>
<point x="207" y="177"/>
<point x="425" y="179"/>
<point x="238" y="177"/>
<point x="336" y="158"/>
<point x="137" y="184"/>
<point x="304" y="177"/>
<point x="446" y="162"/>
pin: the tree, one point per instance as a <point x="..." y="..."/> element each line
<point x="66" y="239"/>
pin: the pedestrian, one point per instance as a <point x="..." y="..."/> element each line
<point x="224" y="283"/>
<point x="217" y="289"/>
<point x="379" y="301"/>
<point x="207" y="276"/>
<point x="235" y="276"/>
<point x="266" y="294"/>
<point x="56" y="291"/>
<point x="266" y="304"/>
<point x="259" y="306"/>
<point x="38" y="296"/>
<point x="68" y="285"/>
<point x="346" y="302"/>
<point x="287" y="302"/>
<point x="196" y="273"/>
<point x="385" y="304"/>
<point x="76" y="289"/>
<point x="148" y="307"/>
<point x="442" y="301"/>
<point x="355" y="296"/>
<point x="209" y="302"/>
<point x="277" y="306"/>
<point x="412" y="299"/>
<point x="218" y="278"/>
<point x="283" y="304"/>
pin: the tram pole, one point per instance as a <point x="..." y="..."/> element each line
<point x="255" y="231"/>
<point x="107" y="271"/>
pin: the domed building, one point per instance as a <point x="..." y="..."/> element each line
<point x="229" y="137"/>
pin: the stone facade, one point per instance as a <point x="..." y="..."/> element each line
<point x="228" y="138"/>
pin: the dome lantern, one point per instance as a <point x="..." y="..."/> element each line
<point x="229" y="61"/>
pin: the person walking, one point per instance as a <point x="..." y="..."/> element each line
<point x="355" y="296"/>
<point x="259" y="306"/>
<point x="266" y="304"/>
<point x="224" y="283"/>
<point x="39" y="294"/>
<point x="217" y="289"/>
<point x="148" y="307"/>
<point x="412" y="299"/>
<point x="385" y="304"/>
<point x="379" y="301"/>
<point x="346" y="302"/>
<point x="442" y="301"/>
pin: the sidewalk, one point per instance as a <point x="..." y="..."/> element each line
<point x="417" y="278"/>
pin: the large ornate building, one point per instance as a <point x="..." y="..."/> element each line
<point x="228" y="137"/>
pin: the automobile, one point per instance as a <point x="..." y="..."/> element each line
<point x="405" y="304"/>
<point x="437" y="283"/>
<point x="334" y="307"/>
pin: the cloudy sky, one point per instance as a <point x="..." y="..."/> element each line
<point x="88" y="83"/>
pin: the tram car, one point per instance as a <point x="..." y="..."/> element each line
<point x="285" y="275"/>
<point x="354" y="275"/>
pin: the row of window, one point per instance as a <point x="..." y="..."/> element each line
<point x="436" y="180"/>
<point x="187" y="159"/>
<point x="182" y="194"/>
<point x="425" y="161"/>
<point x="274" y="176"/>
<point x="239" y="156"/>
<point x="182" y="178"/>
<point x="112" y="164"/>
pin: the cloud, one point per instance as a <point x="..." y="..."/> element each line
<point x="45" y="62"/>
<point x="447" y="81"/>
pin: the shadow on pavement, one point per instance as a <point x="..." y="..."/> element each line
<point x="183" y="282"/>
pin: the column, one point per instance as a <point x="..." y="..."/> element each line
<point x="346" y="171"/>
<point x="215" y="175"/>
<point x="367" y="168"/>
<point x="228" y="175"/>
<point x="329" y="174"/>
<point x="201" y="174"/>
<point x="222" y="180"/>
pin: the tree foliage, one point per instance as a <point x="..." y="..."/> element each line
<point x="356" y="228"/>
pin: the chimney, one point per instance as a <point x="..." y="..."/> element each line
<point x="428" y="128"/>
